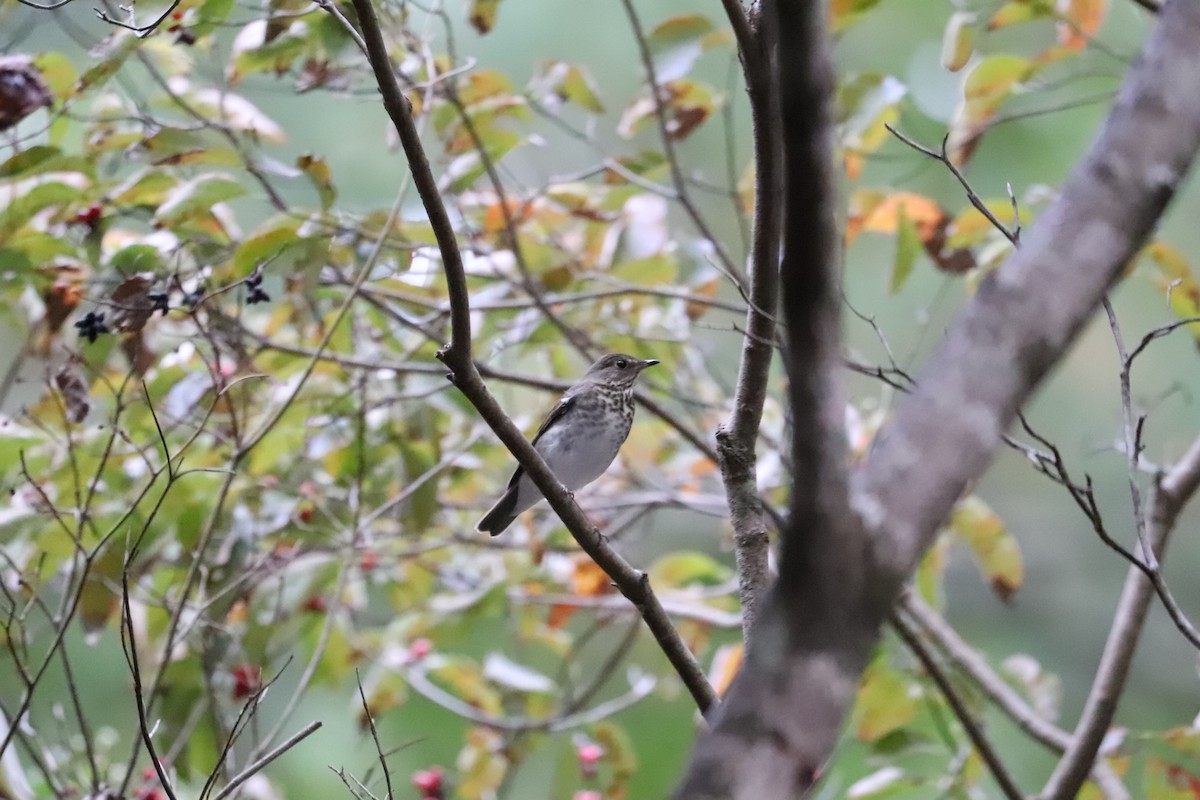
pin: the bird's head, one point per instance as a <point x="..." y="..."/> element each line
<point x="618" y="369"/>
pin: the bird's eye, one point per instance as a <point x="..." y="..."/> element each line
<point x="622" y="363"/>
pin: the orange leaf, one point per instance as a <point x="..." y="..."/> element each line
<point x="588" y="579"/>
<point x="854" y="164"/>
<point x="923" y="212"/>
<point x="1081" y="19"/>
<point x="725" y="666"/>
<point x="493" y="218"/>
<point x="559" y="615"/>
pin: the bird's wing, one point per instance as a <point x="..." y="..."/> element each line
<point x="555" y="415"/>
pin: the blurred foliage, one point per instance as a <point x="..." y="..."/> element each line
<point x="233" y="456"/>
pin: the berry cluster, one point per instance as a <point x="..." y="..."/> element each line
<point x="92" y="326"/>
<point x="256" y="295"/>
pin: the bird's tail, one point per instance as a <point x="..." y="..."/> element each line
<point x="501" y="515"/>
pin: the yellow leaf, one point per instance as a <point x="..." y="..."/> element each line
<point x="994" y="548"/>
<point x="725" y="665"/>
<point x="886" y="702"/>
<point x="958" y="42"/>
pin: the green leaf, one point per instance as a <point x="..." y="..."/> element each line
<point x="1016" y="12"/>
<point x="844" y="13"/>
<point x="33" y="247"/>
<point x="469" y="167"/>
<point x="210" y="14"/>
<point x="138" y="258"/>
<point x="26" y="160"/>
<point x="196" y="196"/>
<point x="276" y="56"/>
<point x="928" y="579"/>
<point x="677" y="42"/>
<point x="146" y="188"/>
<point x="1163" y="780"/>
<point x="464" y="679"/>
<point x="318" y="172"/>
<point x="116" y="49"/>
<point x="887" y="701"/>
<point x="889" y="781"/>
<point x="263" y="247"/>
<point x="679" y="569"/>
<point x="1172" y="273"/>
<point x="578" y="87"/>
<point x="652" y="271"/>
<point x="991" y="81"/>
<point x="59" y="73"/>
<point x="958" y="42"/>
<point x="995" y="549"/>
<point x="569" y="82"/>
<point x="908" y="244"/>
<point x="687" y="105"/>
<point x="176" y="146"/>
<point x="419" y="457"/>
<point x="866" y="103"/>
<point x="16" y="211"/>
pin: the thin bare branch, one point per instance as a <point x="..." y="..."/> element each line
<point x="737" y="439"/>
<point x="972" y="726"/>
<point x="783" y="712"/>
<point x="1172" y="491"/>
<point x="682" y="195"/>
<point x="253" y="769"/>
<point x="457" y="356"/>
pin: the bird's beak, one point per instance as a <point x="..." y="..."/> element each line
<point x="650" y="362"/>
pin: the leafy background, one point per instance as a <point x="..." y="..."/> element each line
<point x="370" y="604"/>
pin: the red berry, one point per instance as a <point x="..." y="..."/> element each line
<point x="589" y="758"/>
<point x="369" y="560"/>
<point x="89" y="216"/>
<point x="590" y="753"/>
<point x="429" y="781"/>
<point x="247" y="679"/>
<point x="419" y="648"/>
<point x="316" y="604"/>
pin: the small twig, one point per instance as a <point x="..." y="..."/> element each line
<point x="463" y="373"/>
<point x="143" y="31"/>
<point x="422" y="685"/>
<point x="1132" y="447"/>
<point x="253" y="769"/>
<point x="668" y="143"/>
<point x="1157" y="333"/>
<point x="129" y="644"/>
<point x="971" y="726"/>
<point x="943" y="156"/>
<point x="994" y="687"/>
<point x="1172" y="492"/>
<point x="387" y="773"/>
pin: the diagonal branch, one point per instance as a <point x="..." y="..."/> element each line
<point x="1027" y="313"/>
<point x="633" y="583"/>
<point x="783" y="713"/>
<point x="971" y="725"/>
<point x="737" y="439"/>
<point x="1171" y="493"/>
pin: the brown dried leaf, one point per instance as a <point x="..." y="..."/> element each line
<point x="74" y="392"/>
<point x="132" y="306"/>
<point x="63" y="296"/>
